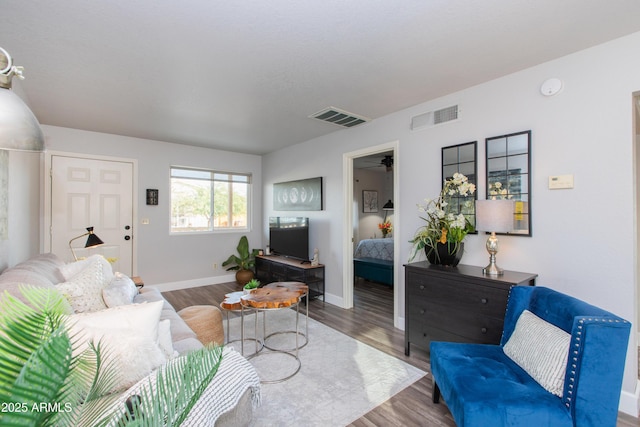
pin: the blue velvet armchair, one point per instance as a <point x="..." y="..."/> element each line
<point x="482" y="386"/>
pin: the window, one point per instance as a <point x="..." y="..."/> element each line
<point x="204" y="200"/>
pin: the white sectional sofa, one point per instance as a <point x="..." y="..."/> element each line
<point x="46" y="270"/>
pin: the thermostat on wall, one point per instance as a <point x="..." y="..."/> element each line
<point x="557" y="182"/>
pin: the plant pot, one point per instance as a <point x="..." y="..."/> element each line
<point x="448" y="254"/>
<point x="243" y="276"/>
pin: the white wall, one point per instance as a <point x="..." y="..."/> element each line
<point x="368" y="222"/>
<point x="171" y="260"/>
<point x="583" y="239"/>
<point x="23" y="208"/>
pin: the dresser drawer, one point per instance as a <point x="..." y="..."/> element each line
<point x="487" y="300"/>
<point x="422" y="335"/>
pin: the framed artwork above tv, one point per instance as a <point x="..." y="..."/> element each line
<point x="301" y="195"/>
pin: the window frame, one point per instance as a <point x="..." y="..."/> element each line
<point x="449" y="165"/>
<point x="215" y="176"/>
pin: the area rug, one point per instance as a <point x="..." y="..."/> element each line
<point x="340" y="378"/>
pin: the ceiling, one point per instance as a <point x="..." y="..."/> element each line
<point x="245" y="75"/>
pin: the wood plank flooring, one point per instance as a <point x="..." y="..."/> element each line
<point x="369" y="321"/>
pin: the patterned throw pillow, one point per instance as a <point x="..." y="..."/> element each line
<point x="541" y="349"/>
<point x="84" y="290"/>
<point x="68" y="271"/>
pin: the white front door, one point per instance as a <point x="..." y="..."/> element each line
<point x="92" y="193"/>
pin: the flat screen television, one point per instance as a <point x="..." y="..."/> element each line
<point x="289" y="236"/>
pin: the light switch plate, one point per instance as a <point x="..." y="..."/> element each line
<point x="557" y="182"/>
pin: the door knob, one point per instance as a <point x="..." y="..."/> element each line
<point x="127" y="227"/>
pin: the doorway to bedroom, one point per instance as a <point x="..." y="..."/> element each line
<point x="371" y="230"/>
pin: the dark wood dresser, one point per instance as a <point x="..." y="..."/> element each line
<point x="458" y="304"/>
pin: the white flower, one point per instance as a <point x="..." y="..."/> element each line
<point x="459" y="221"/>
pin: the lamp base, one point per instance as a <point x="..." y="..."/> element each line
<point x="492" y="270"/>
<point x="492" y="247"/>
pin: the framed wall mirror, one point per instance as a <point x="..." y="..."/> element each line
<point x="509" y="176"/>
<point x="462" y="158"/>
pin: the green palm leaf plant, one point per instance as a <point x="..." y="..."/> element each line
<point x="42" y="382"/>
<point x="245" y="260"/>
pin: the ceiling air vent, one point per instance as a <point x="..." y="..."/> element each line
<point x="339" y="117"/>
<point x="436" y="117"/>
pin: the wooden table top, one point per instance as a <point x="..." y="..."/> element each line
<point x="232" y="301"/>
<point x="275" y="297"/>
<point x="298" y="287"/>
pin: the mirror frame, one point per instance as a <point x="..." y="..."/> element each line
<point x="511" y="179"/>
<point x="473" y="178"/>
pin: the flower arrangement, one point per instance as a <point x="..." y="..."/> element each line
<point x="443" y="222"/>
<point x="385" y="227"/>
<point x="496" y="191"/>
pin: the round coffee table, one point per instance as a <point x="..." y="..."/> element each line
<point x="231" y="303"/>
<point x="303" y="291"/>
<point x="270" y="299"/>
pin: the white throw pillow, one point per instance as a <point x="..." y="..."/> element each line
<point x="84" y="290"/>
<point x="120" y="291"/>
<point x="541" y="349"/>
<point x="69" y="270"/>
<point x="129" y="334"/>
<point x="164" y="339"/>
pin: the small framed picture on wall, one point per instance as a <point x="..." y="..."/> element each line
<point x="369" y="201"/>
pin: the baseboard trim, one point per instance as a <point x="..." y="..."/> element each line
<point x="334" y="300"/>
<point x="629" y="401"/>
<point x="194" y="283"/>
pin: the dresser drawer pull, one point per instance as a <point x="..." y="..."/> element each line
<point x="484" y="300"/>
<point x="422" y="287"/>
<point x="484" y="330"/>
<point x="421" y="311"/>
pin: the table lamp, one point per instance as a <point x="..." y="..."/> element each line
<point x="494" y="216"/>
<point x="386" y="208"/>
<point x="92" y="240"/>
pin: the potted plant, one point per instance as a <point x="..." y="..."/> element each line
<point x="243" y="262"/>
<point x="445" y="229"/>
<point x="251" y="285"/>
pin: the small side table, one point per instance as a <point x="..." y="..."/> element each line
<point x="137" y="280"/>
<point x="277" y="298"/>
<point x="231" y="303"/>
<point x="303" y="291"/>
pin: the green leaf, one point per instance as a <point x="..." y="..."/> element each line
<point x="178" y="386"/>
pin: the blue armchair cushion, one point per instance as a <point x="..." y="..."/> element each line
<point x="495" y="390"/>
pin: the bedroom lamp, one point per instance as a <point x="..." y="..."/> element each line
<point x="494" y="216"/>
<point x="19" y="128"/>
<point x="92" y="240"/>
<point x="386" y="208"/>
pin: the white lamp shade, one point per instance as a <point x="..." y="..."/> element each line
<point x="494" y="215"/>
<point x="19" y="128"/>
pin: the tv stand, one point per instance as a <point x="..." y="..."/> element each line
<point x="276" y="268"/>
